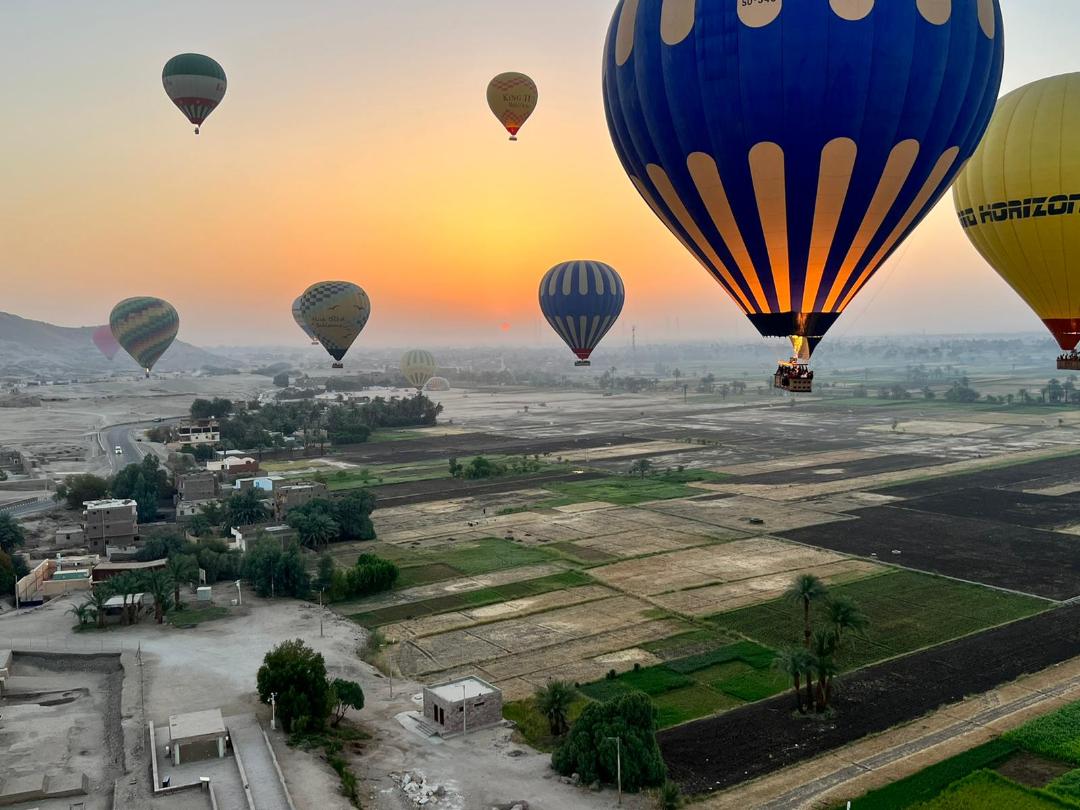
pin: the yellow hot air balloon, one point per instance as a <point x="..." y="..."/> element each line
<point x="418" y="366"/>
<point x="512" y="97"/>
<point x="1017" y="200"/>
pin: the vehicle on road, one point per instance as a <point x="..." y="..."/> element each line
<point x="118" y="450"/>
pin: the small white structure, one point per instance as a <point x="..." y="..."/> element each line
<point x="199" y="733"/>
<point x="203" y="594"/>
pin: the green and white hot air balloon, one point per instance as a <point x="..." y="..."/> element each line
<point x="145" y="328"/>
<point x="337" y="312"/>
<point x="196" y="84"/>
<point x="418" y="366"/>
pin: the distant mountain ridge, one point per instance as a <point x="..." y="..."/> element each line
<point x="31" y="348"/>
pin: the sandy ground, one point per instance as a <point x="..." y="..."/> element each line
<point x="214" y="666"/>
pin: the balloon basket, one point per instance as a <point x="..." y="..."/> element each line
<point x="582" y="364"/>
<point x="1069" y="363"/>
<point x="794" y="377"/>
<point x="337" y="365"/>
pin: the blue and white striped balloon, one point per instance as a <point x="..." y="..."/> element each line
<point x="582" y="300"/>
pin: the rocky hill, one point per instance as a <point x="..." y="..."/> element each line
<point x="35" y="348"/>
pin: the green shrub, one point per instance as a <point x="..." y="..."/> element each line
<point x="1066" y="786"/>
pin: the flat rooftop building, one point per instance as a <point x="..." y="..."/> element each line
<point x="110" y="522"/>
<point x="453" y="707"/>
<point x="199" y="735"/>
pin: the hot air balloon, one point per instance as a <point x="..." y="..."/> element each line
<point x="145" y="327"/>
<point x="106" y="343"/>
<point x="336" y="312"/>
<point x="196" y="84"/>
<point x="418" y="367"/>
<point x="512" y="97"/>
<point x="1017" y="202"/>
<point x="582" y="300"/>
<point x="793" y="146"/>
<point x="299" y="318"/>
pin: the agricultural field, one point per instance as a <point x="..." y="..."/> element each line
<point x="1034" y="766"/>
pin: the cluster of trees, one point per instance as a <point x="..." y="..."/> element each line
<point x="482" y="467"/>
<point x="276" y="569"/>
<point x="622" y="727"/>
<point x="294" y="676"/>
<point x="320" y="522"/>
<point x="163" y="585"/>
<point x="368" y="575"/>
<point x="146" y="482"/>
<point x="211" y="554"/>
<point x="13" y="565"/>
<point x="709" y="385"/>
<point x="216" y="408"/>
<point x="814" y="663"/>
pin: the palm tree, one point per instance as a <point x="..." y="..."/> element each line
<point x="181" y="568"/>
<point x="803" y="591"/>
<point x="844" y="617"/>
<point x="317" y="530"/>
<point x="794" y="662"/>
<point x="96" y="603"/>
<point x="553" y="701"/>
<point x="824" y="650"/>
<point x="641" y="467"/>
<point x="127" y="584"/>
<point x="158" y="583"/>
<point x="81" y="612"/>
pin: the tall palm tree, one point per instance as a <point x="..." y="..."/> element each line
<point x="159" y="584"/>
<point x="182" y="569"/>
<point x="844" y="616"/>
<point x="96" y="600"/>
<point x="805" y="590"/>
<point x="127" y="585"/>
<point x="553" y="701"/>
<point x="794" y="662"/>
<point x="824" y="650"/>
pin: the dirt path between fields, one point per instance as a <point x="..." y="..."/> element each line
<point x="849" y="772"/>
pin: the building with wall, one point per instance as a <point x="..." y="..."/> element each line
<point x="199" y="431"/>
<point x="107" y="570"/>
<point x="110" y="522"/>
<point x="69" y="536"/>
<point x="196" y="486"/>
<point x="233" y="466"/>
<point x="287" y="498"/>
<point x="453" y="707"/>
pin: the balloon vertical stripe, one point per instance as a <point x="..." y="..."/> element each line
<point x="145" y="328"/>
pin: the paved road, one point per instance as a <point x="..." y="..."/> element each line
<point x="123" y="436"/>
<point x="248" y="741"/>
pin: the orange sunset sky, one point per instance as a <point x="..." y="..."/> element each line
<point x="355" y="143"/>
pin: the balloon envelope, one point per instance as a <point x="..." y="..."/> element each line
<point x="145" y="327"/>
<point x="418" y="366"/>
<point x="792" y="146"/>
<point x="582" y="300"/>
<point x="512" y="97"/>
<point x="1018" y="197"/>
<point x="336" y="312"/>
<point x="298" y="316"/>
<point x="196" y="84"/>
<point x="104" y="340"/>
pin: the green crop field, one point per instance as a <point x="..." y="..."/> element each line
<point x="963" y="781"/>
<point x="907" y="611"/>
<point x="698" y="685"/>
<point x="1055" y="735"/>
<point x="988" y="789"/>
<point x="627" y="490"/>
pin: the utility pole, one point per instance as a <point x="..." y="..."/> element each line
<point x="273" y="710"/>
<point x="618" y="766"/>
<point x="320" y="614"/>
<point x="464" y="710"/>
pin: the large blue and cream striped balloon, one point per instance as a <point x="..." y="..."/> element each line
<point x="582" y="300"/>
<point x="792" y="145"/>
